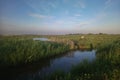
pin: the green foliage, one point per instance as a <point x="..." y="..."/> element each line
<point x="16" y="50"/>
<point x="85" y="43"/>
<point x="105" y="67"/>
<point x="21" y="51"/>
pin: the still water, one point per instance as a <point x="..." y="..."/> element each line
<point x="39" y="69"/>
<point x="41" y="39"/>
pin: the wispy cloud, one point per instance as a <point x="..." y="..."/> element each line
<point x="65" y="1"/>
<point x="59" y="22"/>
<point x="82" y="24"/>
<point x="92" y="21"/>
<point x="52" y="5"/>
<point x="108" y="3"/>
<point x="80" y="4"/>
<point x="98" y="17"/>
<point x="39" y="16"/>
<point x="33" y="5"/>
<point x="38" y="5"/>
<point x="77" y="15"/>
<point x="66" y="12"/>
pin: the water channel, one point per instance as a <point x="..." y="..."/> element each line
<point x="45" y="67"/>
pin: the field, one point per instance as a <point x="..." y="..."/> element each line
<point x="22" y="49"/>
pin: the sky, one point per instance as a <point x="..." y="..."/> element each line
<point x="59" y="16"/>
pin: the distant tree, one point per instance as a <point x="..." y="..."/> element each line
<point x="90" y="33"/>
<point x="101" y="33"/>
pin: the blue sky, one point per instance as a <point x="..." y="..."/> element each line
<point x="59" y="16"/>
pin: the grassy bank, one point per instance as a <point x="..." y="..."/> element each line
<point x="85" y="41"/>
<point x="20" y="50"/>
<point x="105" y="67"/>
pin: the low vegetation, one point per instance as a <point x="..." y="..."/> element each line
<point x="85" y="41"/>
<point x="17" y="51"/>
<point x="105" y="67"/>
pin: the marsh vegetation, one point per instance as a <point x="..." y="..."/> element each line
<point x="105" y="67"/>
<point x="22" y="50"/>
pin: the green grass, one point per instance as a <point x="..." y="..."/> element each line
<point x="95" y="40"/>
<point x="16" y="51"/>
<point x="105" y="67"/>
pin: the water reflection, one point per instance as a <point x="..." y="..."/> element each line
<point x="41" y="39"/>
<point x="47" y="66"/>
